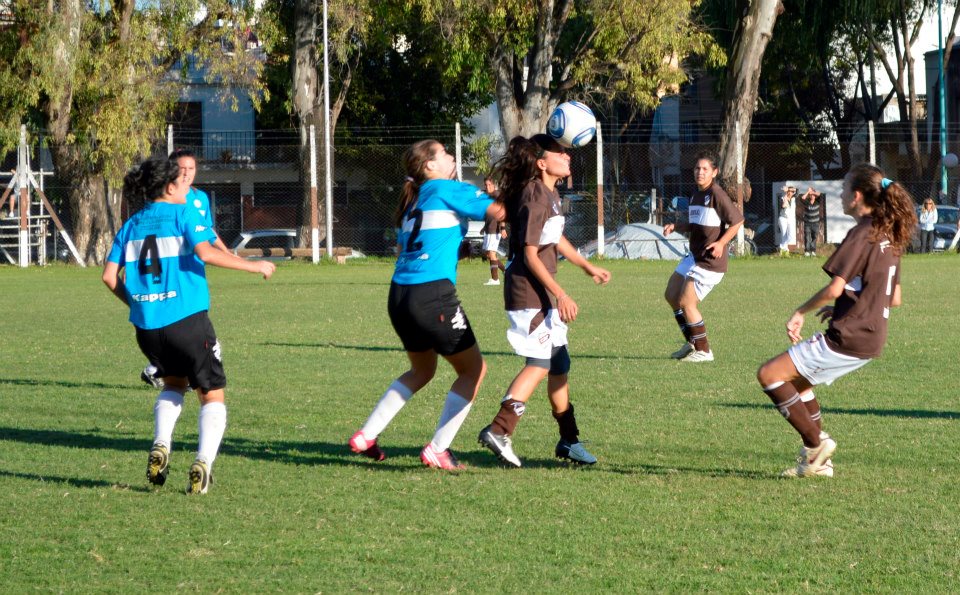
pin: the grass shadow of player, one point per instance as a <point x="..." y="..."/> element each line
<point x="903" y="413"/>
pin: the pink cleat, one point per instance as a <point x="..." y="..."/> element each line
<point x="367" y="448"/>
<point x="440" y="460"/>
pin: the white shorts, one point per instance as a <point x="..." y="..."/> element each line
<point x="537" y="343"/>
<point x="703" y="280"/>
<point x="491" y="242"/>
<point x="818" y="364"/>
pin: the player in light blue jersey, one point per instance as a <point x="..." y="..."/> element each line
<point x="161" y="251"/>
<point x="196" y="199"/>
<point x="423" y="304"/>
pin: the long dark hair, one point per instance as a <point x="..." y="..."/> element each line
<point x="414" y="164"/>
<point x="148" y="181"/>
<point x="892" y="205"/>
<point x="518" y="167"/>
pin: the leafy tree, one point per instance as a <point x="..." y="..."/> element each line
<point x="535" y="54"/>
<point x="96" y="76"/>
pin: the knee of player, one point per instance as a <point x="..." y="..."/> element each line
<point x="765" y="375"/>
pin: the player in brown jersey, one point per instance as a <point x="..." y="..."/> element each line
<point x="864" y="283"/>
<point x="493" y="231"/>
<point x="537" y="307"/>
<point x="713" y="222"/>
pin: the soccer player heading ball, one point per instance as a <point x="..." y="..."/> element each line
<point x="864" y="283"/>
<point x="537" y="307"/>
<point x="423" y="304"/>
<point x="713" y="222"/>
<point x="165" y="287"/>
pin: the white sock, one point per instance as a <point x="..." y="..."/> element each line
<point x="212" y="424"/>
<point x="454" y="413"/>
<point x="166" y="411"/>
<point x="389" y="405"/>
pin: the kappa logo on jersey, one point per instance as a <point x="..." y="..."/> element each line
<point x="153" y="297"/>
<point x="459" y="321"/>
<point x="199" y="228"/>
<point x="519" y="408"/>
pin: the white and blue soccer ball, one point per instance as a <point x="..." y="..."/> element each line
<point x="572" y="124"/>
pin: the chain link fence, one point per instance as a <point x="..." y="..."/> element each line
<point x="260" y="180"/>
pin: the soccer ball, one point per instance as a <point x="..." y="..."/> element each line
<point x="572" y="124"/>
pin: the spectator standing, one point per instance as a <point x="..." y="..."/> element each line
<point x="811" y="201"/>
<point x="928" y="222"/>
<point x="787" y="217"/>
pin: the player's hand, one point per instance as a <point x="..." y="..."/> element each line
<point x="794" y="328"/>
<point x="825" y="313"/>
<point x="265" y="268"/>
<point x="668" y="229"/>
<point x="600" y="276"/>
<point x="716" y="249"/>
<point x="567" y="307"/>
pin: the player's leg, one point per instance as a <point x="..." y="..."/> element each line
<point x="783" y="384"/>
<point x="495" y="267"/>
<point x="569" y="446"/>
<point x="690" y="304"/>
<point x="470" y="369"/>
<point x="672" y="295"/>
<point x="209" y="380"/>
<point x="166" y="412"/>
<point x="423" y="366"/>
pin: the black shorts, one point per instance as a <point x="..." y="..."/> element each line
<point x="189" y="348"/>
<point x="428" y="316"/>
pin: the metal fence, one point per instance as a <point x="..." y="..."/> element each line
<point x="259" y="180"/>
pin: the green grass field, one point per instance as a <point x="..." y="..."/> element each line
<point x="686" y="496"/>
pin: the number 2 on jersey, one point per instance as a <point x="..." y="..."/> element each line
<point x="412" y="244"/>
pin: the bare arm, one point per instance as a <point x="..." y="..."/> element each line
<point x="717" y="248"/>
<point x="497" y="211"/>
<point x="600" y="275"/>
<point x="111" y="278"/>
<point x="820" y="300"/>
<point x="218" y="243"/>
<point x="210" y="255"/>
<point x="897" y="299"/>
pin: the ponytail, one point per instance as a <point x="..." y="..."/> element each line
<point x="892" y="206"/>
<point x="414" y="163"/>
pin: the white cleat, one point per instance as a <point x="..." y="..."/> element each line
<point x="699" y="356"/>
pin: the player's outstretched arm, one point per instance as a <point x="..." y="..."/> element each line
<point x="599" y="274"/>
<point x="210" y="255"/>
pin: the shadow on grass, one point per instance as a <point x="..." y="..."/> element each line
<point x="575" y="356"/>
<point x="312" y="453"/>
<point x="904" y="413"/>
<point x="75" y="482"/>
<point x="70" y="384"/>
<point x="665" y="470"/>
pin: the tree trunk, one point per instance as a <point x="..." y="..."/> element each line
<point x="307" y="100"/>
<point x="526" y="102"/>
<point x="754" y="31"/>
<point x="93" y="230"/>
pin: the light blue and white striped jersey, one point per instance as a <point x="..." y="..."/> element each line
<point x="164" y="280"/>
<point x="432" y="229"/>
<point x="199" y="200"/>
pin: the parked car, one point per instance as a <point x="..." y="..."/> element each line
<point x="285" y="239"/>
<point x="946" y="227"/>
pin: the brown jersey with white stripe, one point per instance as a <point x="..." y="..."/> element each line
<point x="712" y="212"/>
<point x="871" y="269"/>
<point x="537" y="222"/>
